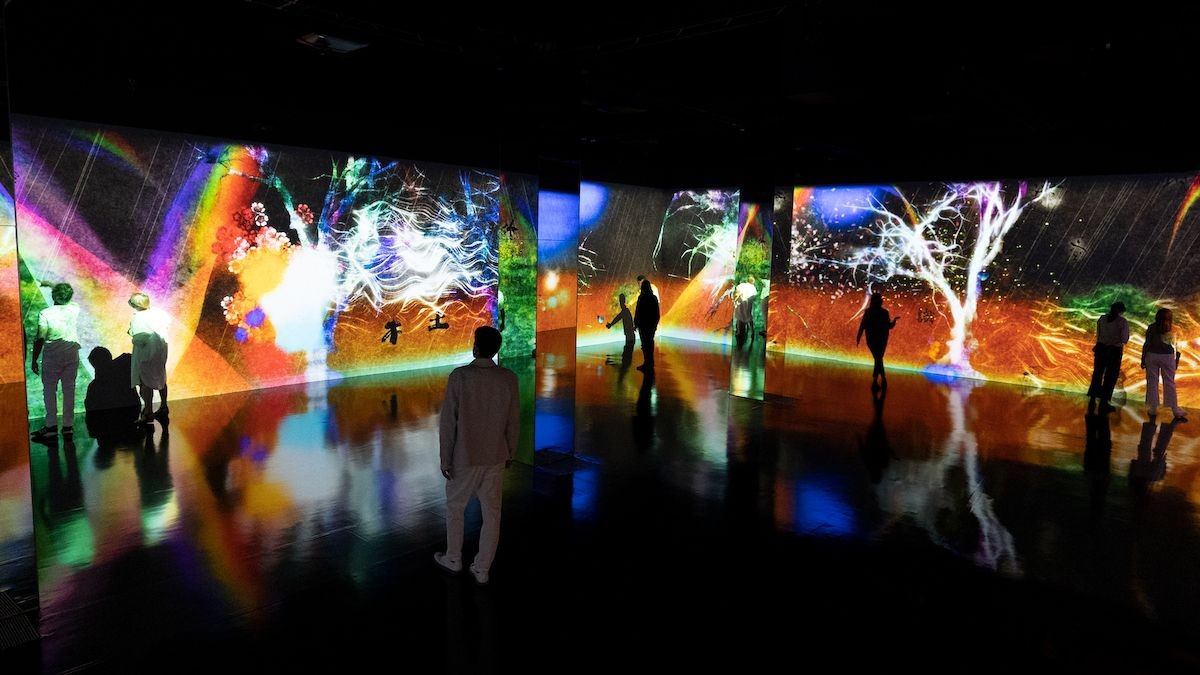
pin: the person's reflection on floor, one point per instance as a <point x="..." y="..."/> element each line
<point x="65" y="489"/>
<point x="623" y="365"/>
<point x="469" y="648"/>
<point x="1150" y="465"/>
<point x="643" y="418"/>
<point x="1097" y="459"/>
<point x="875" y="449"/>
<point x="152" y="466"/>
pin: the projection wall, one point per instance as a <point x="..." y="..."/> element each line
<point x="751" y="293"/>
<point x="558" y="245"/>
<point x="1002" y="281"/>
<point x="11" y="344"/>
<point x="277" y="265"/>
<point x="685" y="243"/>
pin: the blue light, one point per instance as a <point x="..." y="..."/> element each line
<point x="842" y="207"/>
<point x="241" y="335"/>
<point x="820" y="509"/>
<point x="558" y="215"/>
<point x="593" y="197"/>
<point x="554" y="431"/>
<point x="255" y="317"/>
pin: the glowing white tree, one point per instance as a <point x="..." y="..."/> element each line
<point x="943" y="248"/>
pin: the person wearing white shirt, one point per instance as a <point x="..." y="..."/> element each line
<point x="479" y="427"/>
<point x="743" y="309"/>
<point x="1112" y="332"/>
<point x="57" y="344"/>
<point x="148" y="330"/>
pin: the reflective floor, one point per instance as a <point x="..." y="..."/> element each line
<point x="945" y="526"/>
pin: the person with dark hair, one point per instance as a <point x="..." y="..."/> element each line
<point x="1159" y="360"/>
<point x="626" y="320"/>
<point x="479" y="427"/>
<point x="877" y="325"/>
<point x="111" y="405"/>
<point x="653" y="287"/>
<point x="148" y="330"/>
<point x="1112" y="332"/>
<point x="57" y="345"/>
<point x="645" y="319"/>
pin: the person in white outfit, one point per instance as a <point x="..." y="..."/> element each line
<point x="148" y="330"/>
<point x="479" y="427"/>
<point x="1159" y="359"/>
<point x="57" y="346"/>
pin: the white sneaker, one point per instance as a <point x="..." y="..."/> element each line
<point x="481" y="576"/>
<point x="444" y="562"/>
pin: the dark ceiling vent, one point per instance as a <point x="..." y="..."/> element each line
<point x="330" y="44"/>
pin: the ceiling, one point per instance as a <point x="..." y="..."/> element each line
<point x="752" y="94"/>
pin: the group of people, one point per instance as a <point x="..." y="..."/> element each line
<point x="55" y="359"/>
<point x="1160" y="359"/>
<point x="642" y="321"/>
<point x="1160" y="356"/>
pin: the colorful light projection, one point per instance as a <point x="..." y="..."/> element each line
<point x="558" y="244"/>
<point x="685" y="243"/>
<point x="12" y="351"/>
<point x="750" y="292"/>
<point x="277" y="265"/>
<point x="1001" y="281"/>
<point x="516" y="314"/>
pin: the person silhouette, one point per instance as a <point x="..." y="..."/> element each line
<point x="1112" y="332"/>
<point x="1159" y="360"/>
<point x="1097" y="458"/>
<point x="874" y="447"/>
<point x="877" y="325"/>
<point x="645" y="319"/>
<point x="57" y="345"/>
<point x="626" y="320"/>
<point x="111" y="405"/>
<point x="653" y="288"/>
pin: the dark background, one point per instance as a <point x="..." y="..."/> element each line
<point x="744" y="93"/>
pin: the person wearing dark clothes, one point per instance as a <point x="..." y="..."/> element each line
<point x="1112" y="332"/>
<point x="877" y="324"/>
<point x="626" y="320"/>
<point x="112" y="405"/>
<point x="645" y="319"/>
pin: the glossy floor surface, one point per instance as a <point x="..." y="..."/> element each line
<point x="942" y="526"/>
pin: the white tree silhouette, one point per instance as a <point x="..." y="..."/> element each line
<point x="946" y="247"/>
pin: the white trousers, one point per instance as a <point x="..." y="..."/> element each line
<point x="1161" y="366"/>
<point x="486" y="483"/>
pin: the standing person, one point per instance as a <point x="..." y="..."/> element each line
<point x="645" y="319"/>
<point x="877" y="324"/>
<point x="479" y="427"/>
<point x="653" y="287"/>
<point x="148" y="329"/>
<point x="1112" y="332"/>
<point x="57" y="344"/>
<point x="626" y="320"/>
<point x="1160" y="359"/>
<point x="743" y="309"/>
